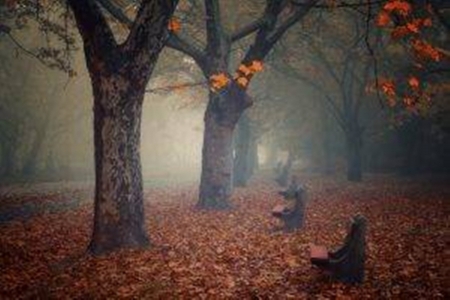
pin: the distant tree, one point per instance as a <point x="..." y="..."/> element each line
<point x="339" y="69"/>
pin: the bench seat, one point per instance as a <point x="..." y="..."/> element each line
<point x="278" y="210"/>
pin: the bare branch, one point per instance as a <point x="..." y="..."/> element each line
<point x="343" y="4"/>
<point x="116" y="12"/>
<point x="294" y="18"/>
<point x="175" y="41"/>
<point x="178" y="43"/>
<point x="214" y="30"/>
<point x="248" y="29"/>
<point x="151" y="15"/>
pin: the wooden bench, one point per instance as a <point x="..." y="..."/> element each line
<point x="346" y="264"/>
<point x="278" y="210"/>
<point x="292" y="218"/>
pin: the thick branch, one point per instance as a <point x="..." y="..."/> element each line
<point x="116" y="12"/>
<point x="175" y="41"/>
<point x="294" y="18"/>
<point x="343" y="4"/>
<point x="150" y="25"/>
<point x="214" y="31"/>
<point x="92" y="25"/>
<point x="181" y="44"/>
<point x="247" y="29"/>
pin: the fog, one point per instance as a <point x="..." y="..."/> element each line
<point x="286" y="149"/>
<point x="47" y="126"/>
<point x="171" y="134"/>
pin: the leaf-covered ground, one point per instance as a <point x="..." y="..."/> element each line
<point x="234" y="254"/>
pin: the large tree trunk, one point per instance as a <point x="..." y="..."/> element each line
<point x="242" y="156"/>
<point x="119" y="75"/>
<point x="119" y="210"/>
<point x="221" y="116"/>
<point x="354" y="156"/>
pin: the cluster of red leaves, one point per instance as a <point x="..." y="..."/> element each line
<point x="235" y="254"/>
<point x="409" y="26"/>
<point x="414" y="101"/>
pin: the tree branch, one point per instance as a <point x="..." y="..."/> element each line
<point x="247" y="29"/>
<point x="294" y="18"/>
<point x="178" y="43"/>
<point x="214" y="31"/>
<point x="92" y="25"/>
<point x="174" y="41"/>
<point x="116" y="12"/>
<point x="152" y="14"/>
<point x="343" y="4"/>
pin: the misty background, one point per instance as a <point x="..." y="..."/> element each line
<point x="46" y="130"/>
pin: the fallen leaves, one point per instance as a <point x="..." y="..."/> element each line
<point x="235" y="254"/>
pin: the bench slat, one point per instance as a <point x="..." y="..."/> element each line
<point x="318" y="252"/>
<point x="278" y="209"/>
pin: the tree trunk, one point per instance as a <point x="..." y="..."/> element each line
<point x="242" y="160"/>
<point x="8" y="159"/>
<point x="283" y="178"/>
<point x="253" y="156"/>
<point x="119" y="210"/>
<point x="354" y="156"/>
<point x="30" y="166"/>
<point x="327" y="147"/>
<point x="221" y="116"/>
<point x="271" y="159"/>
<point x="408" y="135"/>
<point x="119" y="75"/>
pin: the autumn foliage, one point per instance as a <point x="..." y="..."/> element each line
<point x="407" y="22"/>
<point x="233" y="254"/>
<point x="241" y="77"/>
<point x="174" y="25"/>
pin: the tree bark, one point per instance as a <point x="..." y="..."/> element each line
<point x="119" y="75"/>
<point x="221" y="116"/>
<point x="242" y="147"/>
<point x="119" y="210"/>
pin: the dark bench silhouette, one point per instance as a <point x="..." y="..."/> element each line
<point x="292" y="218"/>
<point x="346" y="264"/>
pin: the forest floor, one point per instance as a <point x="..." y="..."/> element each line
<point x="230" y="254"/>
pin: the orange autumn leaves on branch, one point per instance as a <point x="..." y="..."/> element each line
<point x="218" y="81"/>
<point x="407" y="22"/>
<point x="411" y="100"/>
<point x="407" y="26"/>
<point x="174" y="25"/>
<point x="242" y="76"/>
